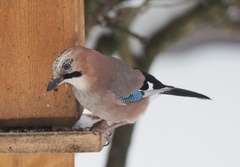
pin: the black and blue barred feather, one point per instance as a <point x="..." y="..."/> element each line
<point x="133" y="97"/>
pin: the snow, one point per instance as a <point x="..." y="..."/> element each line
<point x="86" y="121"/>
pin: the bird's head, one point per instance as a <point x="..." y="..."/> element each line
<point x="65" y="68"/>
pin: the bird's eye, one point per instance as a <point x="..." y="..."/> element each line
<point x="66" y="66"/>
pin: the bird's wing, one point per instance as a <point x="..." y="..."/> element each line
<point x="128" y="80"/>
<point x="125" y="79"/>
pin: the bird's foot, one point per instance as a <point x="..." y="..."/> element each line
<point x="102" y="126"/>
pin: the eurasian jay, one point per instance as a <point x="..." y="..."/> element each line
<point x="109" y="88"/>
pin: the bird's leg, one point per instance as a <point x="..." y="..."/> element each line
<point x="99" y="127"/>
<point x="114" y="126"/>
<point x="103" y="127"/>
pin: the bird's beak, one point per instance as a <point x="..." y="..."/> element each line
<point x="54" y="83"/>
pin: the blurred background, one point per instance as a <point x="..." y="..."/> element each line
<point x="191" y="44"/>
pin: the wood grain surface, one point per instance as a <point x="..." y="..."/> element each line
<point x="37" y="160"/>
<point x="32" y="33"/>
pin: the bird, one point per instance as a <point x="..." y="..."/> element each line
<point x="109" y="88"/>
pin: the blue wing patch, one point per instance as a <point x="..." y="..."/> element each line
<point x="133" y="97"/>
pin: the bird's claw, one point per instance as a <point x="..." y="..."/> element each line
<point x="99" y="126"/>
<point x="102" y="127"/>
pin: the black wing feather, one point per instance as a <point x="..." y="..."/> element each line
<point x="149" y="78"/>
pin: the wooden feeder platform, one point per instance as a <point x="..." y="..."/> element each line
<point x="48" y="140"/>
<point x="51" y="142"/>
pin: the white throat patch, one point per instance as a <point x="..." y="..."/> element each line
<point x="78" y="82"/>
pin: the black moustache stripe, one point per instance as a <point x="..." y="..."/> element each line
<point x="73" y="74"/>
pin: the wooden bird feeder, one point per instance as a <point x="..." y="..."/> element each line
<point x="32" y="33"/>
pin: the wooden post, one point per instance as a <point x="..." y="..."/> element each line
<point x="37" y="160"/>
<point x="32" y="33"/>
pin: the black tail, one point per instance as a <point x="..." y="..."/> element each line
<point x="187" y="93"/>
<point x="172" y="91"/>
